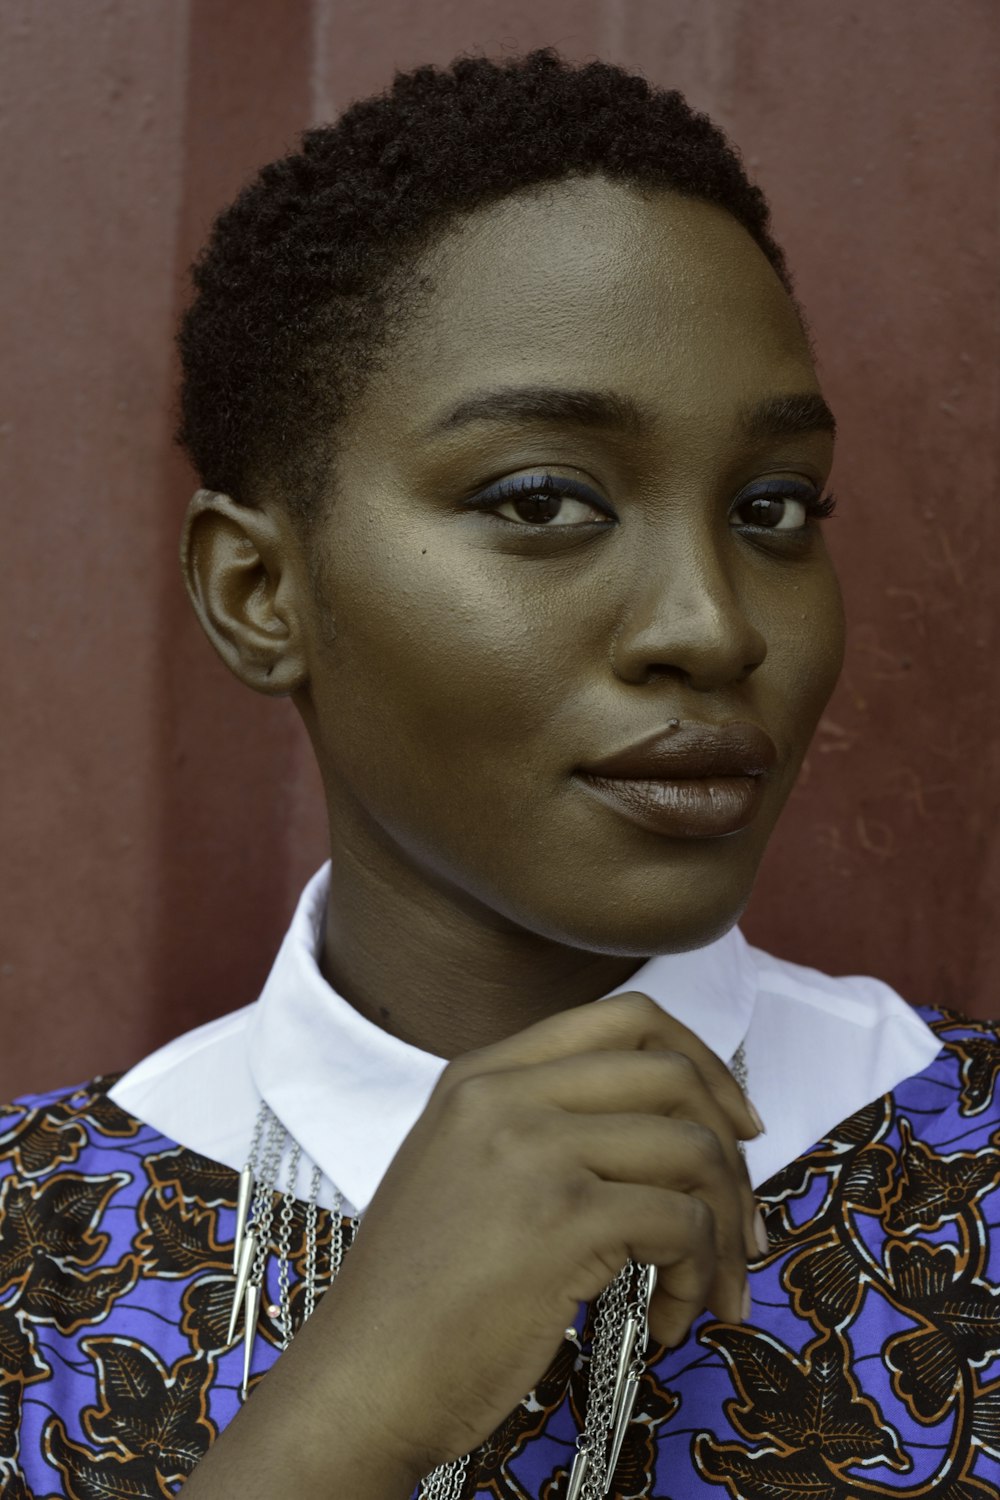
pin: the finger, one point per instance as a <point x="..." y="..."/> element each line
<point x="672" y="1231"/>
<point x="684" y="1158"/>
<point x="658" y="1083"/>
<point x="627" y="1022"/>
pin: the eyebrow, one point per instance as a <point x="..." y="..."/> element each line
<point x="773" y="417"/>
<point x="788" y="416"/>
<point x="556" y="405"/>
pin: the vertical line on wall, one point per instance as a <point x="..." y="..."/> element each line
<point x="227" y="758"/>
<point x="323" y="105"/>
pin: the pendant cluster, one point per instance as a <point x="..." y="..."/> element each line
<point x="255" y="1211"/>
<point x="621" y="1338"/>
<point x="621" y="1328"/>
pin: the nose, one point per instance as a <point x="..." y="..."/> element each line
<point x="685" y="616"/>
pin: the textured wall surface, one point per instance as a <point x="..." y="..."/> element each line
<point x="157" y="819"/>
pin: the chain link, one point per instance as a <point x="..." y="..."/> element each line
<point x="309" y="1305"/>
<point x="609" y="1328"/>
<point x="285" y="1247"/>
<point x="263" y="1203"/>
<point x="446" y="1481"/>
<point x="621" y="1301"/>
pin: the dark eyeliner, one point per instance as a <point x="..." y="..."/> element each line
<point x="518" y="486"/>
<point x="817" y="506"/>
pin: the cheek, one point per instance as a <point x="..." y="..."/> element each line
<point x="448" y="655"/>
<point x="806" y="651"/>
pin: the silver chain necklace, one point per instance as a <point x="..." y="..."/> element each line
<point x="621" y="1324"/>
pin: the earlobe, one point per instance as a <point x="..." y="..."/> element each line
<point x="239" y="569"/>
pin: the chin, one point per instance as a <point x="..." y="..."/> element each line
<point x="646" y="912"/>
<point x="645" y="936"/>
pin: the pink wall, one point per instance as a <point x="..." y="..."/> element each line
<point x="157" y="820"/>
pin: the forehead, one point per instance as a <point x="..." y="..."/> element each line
<point x="592" y="283"/>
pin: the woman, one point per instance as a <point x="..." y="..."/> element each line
<point x="514" y="458"/>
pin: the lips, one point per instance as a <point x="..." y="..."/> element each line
<point x="691" y="752"/>
<point x="694" y="781"/>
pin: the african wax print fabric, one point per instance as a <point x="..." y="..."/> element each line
<point x="870" y="1365"/>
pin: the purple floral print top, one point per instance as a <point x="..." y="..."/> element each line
<point x="870" y="1366"/>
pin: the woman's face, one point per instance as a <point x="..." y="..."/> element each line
<point x="545" y="548"/>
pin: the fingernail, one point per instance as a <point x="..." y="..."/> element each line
<point x="760" y="1233"/>
<point x="754" y="1114"/>
<point x="746" y="1302"/>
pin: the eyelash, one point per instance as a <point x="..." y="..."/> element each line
<point x="554" y="485"/>
<point x="817" y="507"/>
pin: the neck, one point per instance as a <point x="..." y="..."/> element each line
<point x="433" y="966"/>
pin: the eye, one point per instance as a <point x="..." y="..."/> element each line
<point x="544" y="500"/>
<point x="781" y="505"/>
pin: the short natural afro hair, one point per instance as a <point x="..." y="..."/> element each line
<point x="308" y="273"/>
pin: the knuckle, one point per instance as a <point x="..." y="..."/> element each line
<point x="700" y="1219"/>
<point x="454" y="1072"/>
<point x="683" y="1069"/>
<point x="645" y="1012"/>
<point x="576" y="1194"/>
<point x="470" y="1096"/>
<point x="706" y="1148"/>
<point x="558" y="1213"/>
<point x="641" y="1003"/>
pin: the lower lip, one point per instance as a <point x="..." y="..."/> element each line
<point x="707" y="808"/>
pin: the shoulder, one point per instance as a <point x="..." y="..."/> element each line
<point x="970" y="1051"/>
<point x="39" y="1132"/>
<point x="864" y="1002"/>
<point x="855" y="997"/>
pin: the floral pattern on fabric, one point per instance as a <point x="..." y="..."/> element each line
<point x="870" y="1366"/>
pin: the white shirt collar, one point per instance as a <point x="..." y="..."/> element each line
<point x="350" y="1092"/>
<point x="818" y="1049"/>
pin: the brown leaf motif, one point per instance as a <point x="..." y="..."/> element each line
<point x="933" y="1189"/>
<point x="97" y="1110"/>
<point x="206" y="1306"/>
<point x="19" y="1357"/>
<point x="777" y="1200"/>
<point x="70" y="1299"/>
<point x="16" y="1489"/>
<point x="56" y="1219"/>
<point x="986" y="1417"/>
<point x="966" y="1487"/>
<point x="654" y="1406"/>
<point x="810" y="1404"/>
<point x="854" y="1162"/>
<point x="827" y="1282"/>
<point x="146" y="1411"/>
<point x="980" y="1057"/>
<point x="178" y="1238"/>
<point x="10" y="1418"/>
<point x="194" y="1177"/>
<point x="768" y="1475"/>
<point x="525" y="1422"/>
<point x="960" y="1318"/>
<point x="42" y="1140"/>
<point x="869" y="1179"/>
<point x="87" y="1476"/>
<point x="865" y="1127"/>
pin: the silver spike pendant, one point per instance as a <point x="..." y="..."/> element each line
<point x="251" y="1311"/>
<point x="248" y="1251"/>
<point x="243" y="1197"/>
<point x="596" y="1458"/>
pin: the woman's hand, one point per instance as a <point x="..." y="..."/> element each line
<point x="539" y="1166"/>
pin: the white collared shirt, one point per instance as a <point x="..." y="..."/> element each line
<point x="817" y="1050"/>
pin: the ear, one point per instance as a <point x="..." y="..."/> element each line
<point x="239" y="565"/>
